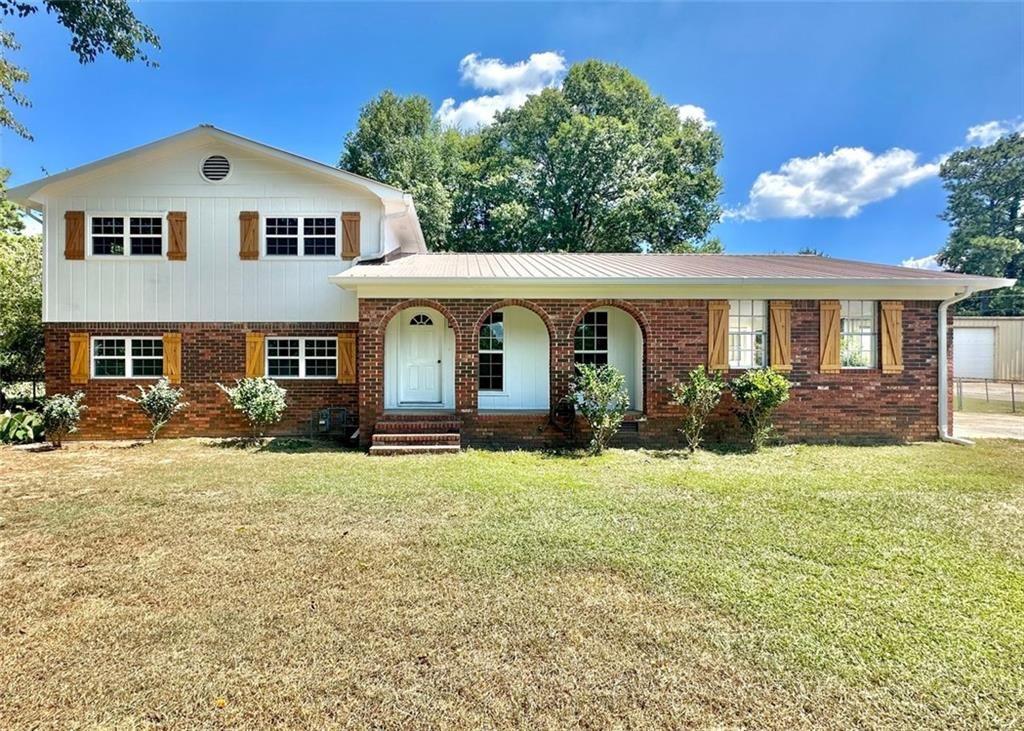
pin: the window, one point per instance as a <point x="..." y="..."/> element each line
<point x="492" y="356"/>
<point x="127" y="357"/>
<point x="423" y="320"/>
<point x="747" y="336"/>
<point x="127" y="235"/>
<point x="592" y="339"/>
<point x="301" y="235"/>
<point x="302" y="357"/>
<point x="858" y="334"/>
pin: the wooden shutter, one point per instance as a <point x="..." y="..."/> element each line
<point x="74" y="234"/>
<point x="779" y="336"/>
<point x="828" y="345"/>
<point x="172" y="357"/>
<point x="718" y="335"/>
<point x="177" y="226"/>
<point x="253" y="355"/>
<point x="79" y="357"/>
<point x="349" y="235"/>
<point x="892" y="337"/>
<point x="249" y="248"/>
<point x="346" y="357"/>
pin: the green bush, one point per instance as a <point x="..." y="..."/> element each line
<point x="261" y="400"/>
<point x="599" y="393"/>
<point x="61" y="414"/>
<point x="159" y="403"/>
<point x="20" y="427"/>
<point x="698" y="395"/>
<point x="758" y="394"/>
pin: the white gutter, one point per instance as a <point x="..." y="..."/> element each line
<point x="943" y="425"/>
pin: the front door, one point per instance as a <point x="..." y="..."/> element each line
<point x="420" y="358"/>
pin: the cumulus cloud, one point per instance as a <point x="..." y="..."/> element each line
<point x="687" y="112"/>
<point x="925" y="262"/>
<point x="989" y="132"/>
<point x="512" y="84"/>
<point x="839" y="184"/>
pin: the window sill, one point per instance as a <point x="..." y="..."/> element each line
<point x="125" y="257"/>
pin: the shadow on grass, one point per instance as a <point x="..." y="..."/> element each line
<point x="280" y="445"/>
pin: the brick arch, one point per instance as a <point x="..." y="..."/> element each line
<point x="525" y="304"/>
<point x="627" y="307"/>
<point x="406" y="304"/>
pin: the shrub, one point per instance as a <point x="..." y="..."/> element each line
<point x="599" y="393"/>
<point x="261" y="400"/>
<point x="698" y="396"/>
<point x="20" y="427"/>
<point x="159" y="403"/>
<point x="61" y="414"/>
<point x="758" y="393"/>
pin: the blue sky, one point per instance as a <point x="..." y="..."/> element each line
<point x="780" y="82"/>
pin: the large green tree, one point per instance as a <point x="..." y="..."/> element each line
<point x="96" y="26"/>
<point x="21" y="295"/>
<point x="984" y="210"/>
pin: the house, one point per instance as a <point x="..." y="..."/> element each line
<point x="990" y="348"/>
<point x="205" y="257"/>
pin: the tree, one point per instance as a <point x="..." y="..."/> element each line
<point x="21" y="296"/>
<point x="984" y="209"/>
<point x="97" y="27"/>
<point x="398" y="142"/>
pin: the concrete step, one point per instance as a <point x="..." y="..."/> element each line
<point x="394" y="450"/>
<point x="416" y="438"/>
<point x="438" y="426"/>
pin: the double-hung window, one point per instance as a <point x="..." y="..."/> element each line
<point x="747" y="333"/>
<point x="858" y="333"/>
<point x="592" y="339"/>
<point x="301" y="236"/>
<point x="118" y="235"/>
<point x="127" y="357"/>
<point x="492" y="353"/>
<point x="302" y="357"/>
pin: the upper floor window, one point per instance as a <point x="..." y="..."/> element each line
<point x="127" y="357"/>
<point x="492" y="353"/>
<point x="747" y="333"/>
<point x="302" y="357"/>
<point x="591" y="343"/>
<point x="301" y="235"/>
<point x="858" y="333"/>
<point x="141" y="235"/>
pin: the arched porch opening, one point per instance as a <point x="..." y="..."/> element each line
<point x="606" y="334"/>
<point x="419" y="360"/>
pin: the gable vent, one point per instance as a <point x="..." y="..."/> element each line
<point x="216" y="168"/>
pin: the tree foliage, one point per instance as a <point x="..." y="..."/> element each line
<point x="96" y="26"/>
<point x="600" y="164"/>
<point x="984" y="209"/>
<point x="21" y="295"/>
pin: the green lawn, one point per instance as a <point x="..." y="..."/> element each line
<point x="189" y="584"/>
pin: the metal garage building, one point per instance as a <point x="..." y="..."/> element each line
<point x="988" y="347"/>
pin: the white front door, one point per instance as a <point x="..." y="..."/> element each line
<point x="420" y="358"/>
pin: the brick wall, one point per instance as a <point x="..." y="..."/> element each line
<point x="211" y="353"/>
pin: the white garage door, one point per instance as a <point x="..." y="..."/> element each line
<point x="974" y="352"/>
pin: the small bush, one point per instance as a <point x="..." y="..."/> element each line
<point x="698" y="396"/>
<point x="61" y="414"/>
<point x="159" y="403"/>
<point x="599" y="393"/>
<point x="758" y="394"/>
<point x="261" y="400"/>
<point x="20" y="427"/>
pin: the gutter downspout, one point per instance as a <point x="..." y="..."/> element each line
<point x="943" y="425"/>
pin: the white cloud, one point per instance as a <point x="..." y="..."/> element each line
<point x="513" y="83"/>
<point x="837" y="184"/>
<point x="925" y="262"/>
<point x="989" y="132"/>
<point x="32" y="226"/>
<point x="687" y="112"/>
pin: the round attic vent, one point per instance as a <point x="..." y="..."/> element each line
<point x="215" y="168"/>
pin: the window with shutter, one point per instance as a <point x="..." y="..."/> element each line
<point x="177" y="241"/>
<point x="718" y="335"/>
<point x="249" y="235"/>
<point x="828" y="343"/>
<point x="172" y="357"/>
<point x="350" y="235"/>
<point x="74" y="235"/>
<point x="779" y="336"/>
<point x="892" y="337"/>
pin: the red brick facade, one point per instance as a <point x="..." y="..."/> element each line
<point x="849" y="406"/>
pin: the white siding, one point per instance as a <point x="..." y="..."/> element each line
<point x="625" y="352"/>
<point x="526" y="356"/>
<point x="213" y="285"/>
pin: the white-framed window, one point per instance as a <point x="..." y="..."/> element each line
<point x="858" y="333"/>
<point x="492" y="353"/>
<point x="591" y="342"/>
<point x="119" y="357"/>
<point x="302" y="357"/>
<point x="296" y="236"/>
<point x="136" y="235"/>
<point x="748" y="333"/>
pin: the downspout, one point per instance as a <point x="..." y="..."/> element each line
<point x="943" y="425"/>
